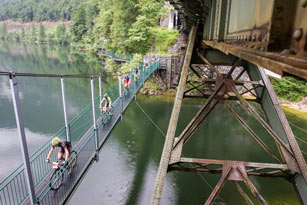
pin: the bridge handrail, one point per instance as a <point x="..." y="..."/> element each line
<point x="116" y="55"/>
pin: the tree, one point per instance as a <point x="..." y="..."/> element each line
<point x="60" y="33"/>
<point x="33" y="32"/>
<point x="23" y="34"/>
<point x="3" y="34"/>
<point x="78" y="24"/>
<point x="42" y="33"/>
<point x="141" y="33"/>
<point x="140" y="36"/>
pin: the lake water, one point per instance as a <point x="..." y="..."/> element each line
<point x="129" y="160"/>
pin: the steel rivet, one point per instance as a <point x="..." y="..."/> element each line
<point x="298" y="34"/>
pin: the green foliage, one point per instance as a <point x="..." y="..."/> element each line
<point x="129" y="26"/>
<point x="141" y="33"/>
<point x="34" y="10"/>
<point x="78" y="24"/>
<point x="42" y="33"/>
<point x="111" y="66"/>
<point x="290" y="88"/>
<point x="140" y="36"/>
<point x="165" y="38"/>
<point x="33" y="32"/>
<point x="130" y="66"/>
<point x="3" y="32"/>
<point x="60" y="33"/>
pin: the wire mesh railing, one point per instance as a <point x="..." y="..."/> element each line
<point x="117" y="55"/>
<point x="13" y="189"/>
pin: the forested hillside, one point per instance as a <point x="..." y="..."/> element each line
<point x="129" y="26"/>
<point x="37" y="10"/>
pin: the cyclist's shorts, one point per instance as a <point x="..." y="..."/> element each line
<point x="65" y="144"/>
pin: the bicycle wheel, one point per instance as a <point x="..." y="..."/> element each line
<point x="56" y="179"/>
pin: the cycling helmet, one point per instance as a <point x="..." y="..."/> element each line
<point x="105" y="95"/>
<point x="55" y="141"/>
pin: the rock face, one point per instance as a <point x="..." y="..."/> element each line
<point x="172" y="64"/>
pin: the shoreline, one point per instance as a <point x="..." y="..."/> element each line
<point x="300" y="106"/>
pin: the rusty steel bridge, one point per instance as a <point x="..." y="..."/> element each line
<point x="244" y="36"/>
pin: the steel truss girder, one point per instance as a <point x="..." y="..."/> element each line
<point x="177" y="162"/>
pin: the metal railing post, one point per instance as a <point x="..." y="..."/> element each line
<point x="65" y="110"/>
<point x="22" y="137"/>
<point x="120" y="96"/>
<point x="94" y="119"/>
<point x="99" y="78"/>
<point x="143" y="75"/>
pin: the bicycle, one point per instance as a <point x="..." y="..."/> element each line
<point x="108" y="113"/>
<point x="60" y="167"/>
<point x="126" y="90"/>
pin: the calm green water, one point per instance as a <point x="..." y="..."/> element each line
<point x="129" y="160"/>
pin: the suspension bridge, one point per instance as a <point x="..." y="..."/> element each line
<point x="88" y="131"/>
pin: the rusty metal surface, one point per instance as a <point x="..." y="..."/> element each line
<point x="244" y="195"/>
<point x="234" y="174"/>
<point x="270" y="33"/>
<point x="169" y="140"/>
<point x="280" y="64"/>
<point x="251" y="186"/>
<point x="218" y="186"/>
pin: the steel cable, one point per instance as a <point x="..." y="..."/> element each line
<point x="202" y="177"/>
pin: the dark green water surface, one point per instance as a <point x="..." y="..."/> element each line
<point x="129" y="160"/>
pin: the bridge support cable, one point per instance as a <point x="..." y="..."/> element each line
<point x="22" y="137"/>
<point x="164" y="135"/>
<point x="65" y="110"/>
<point x="159" y="183"/>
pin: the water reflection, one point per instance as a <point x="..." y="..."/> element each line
<point x="10" y="152"/>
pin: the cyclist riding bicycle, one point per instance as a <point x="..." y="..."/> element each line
<point x="126" y="81"/>
<point x="136" y="73"/>
<point x="64" y="146"/>
<point x="107" y="104"/>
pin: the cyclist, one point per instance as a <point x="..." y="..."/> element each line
<point x="108" y="103"/>
<point x="64" y="146"/>
<point x="136" y="73"/>
<point x="126" y="81"/>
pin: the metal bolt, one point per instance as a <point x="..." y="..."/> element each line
<point x="304" y="3"/>
<point x="298" y="34"/>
